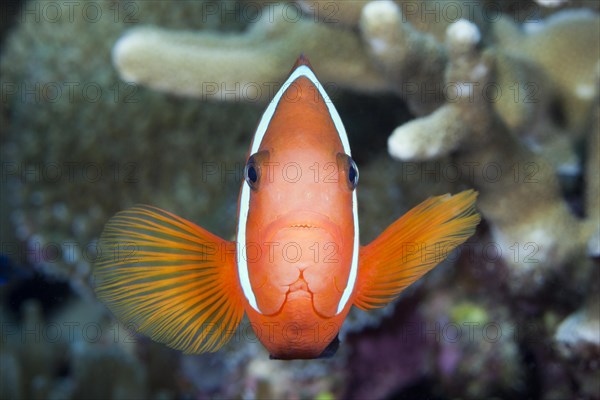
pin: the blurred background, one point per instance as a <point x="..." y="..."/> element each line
<point x="107" y="104"/>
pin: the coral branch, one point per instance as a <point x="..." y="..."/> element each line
<point x="415" y="140"/>
<point x="406" y="56"/>
<point x="592" y="178"/>
<point x="522" y="209"/>
<point x="244" y="66"/>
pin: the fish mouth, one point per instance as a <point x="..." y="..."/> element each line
<point x="303" y="222"/>
<point x="299" y="291"/>
<point x="298" y="294"/>
<point x="299" y="288"/>
<point x="304" y="226"/>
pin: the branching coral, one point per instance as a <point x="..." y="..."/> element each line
<point x="408" y="58"/>
<point x="592" y="194"/>
<point x="384" y="46"/>
<point x="560" y="81"/>
<point x="520" y="193"/>
<point x="246" y="66"/>
<point x="560" y="48"/>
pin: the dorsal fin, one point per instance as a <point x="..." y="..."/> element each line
<point x="301" y="60"/>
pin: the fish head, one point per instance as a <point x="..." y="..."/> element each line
<point x="300" y="225"/>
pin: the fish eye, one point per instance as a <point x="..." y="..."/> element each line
<point x="252" y="170"/>
<point x="252" y="173"/>
<point x="348" y="170"/>
<point x="352" y="173"/>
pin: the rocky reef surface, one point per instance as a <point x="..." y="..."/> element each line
<point x="106" y="104"/>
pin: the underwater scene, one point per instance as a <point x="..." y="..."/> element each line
<point x="300" y="199"/>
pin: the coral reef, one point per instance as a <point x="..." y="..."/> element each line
<point x="481" y="140"/>
<point x="546" y="104"/>
<point x="71" y="158"/>
<point x="525" y="65"/>
<point x="406" y="56"/>
<point x="473" y="349"/>
<point x="578" y="341"/>
<point x="81" y="140"/>
<point x="531" y="149"/>
<point x="592" y="175"/>
<point x="215" y="66"/>
<point x="40" y="348"/>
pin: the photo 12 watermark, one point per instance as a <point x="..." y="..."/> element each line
<point x="70" y="11"/>
<point x="116" y="332"/>
<point x="69" y="172"/>
<point x="67" y="91"/>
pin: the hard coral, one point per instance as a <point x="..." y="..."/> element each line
<point x="407" y="57"/>
<point x="246" y="66"/>
<point x="469" y="126"/>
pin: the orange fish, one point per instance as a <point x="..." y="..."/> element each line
<point x="296" y="267"/>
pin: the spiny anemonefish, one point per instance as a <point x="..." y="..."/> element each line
<point x="296" y="267"/>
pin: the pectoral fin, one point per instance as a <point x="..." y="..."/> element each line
<point x="170" y="279"/>
<point x="413" y="245"/>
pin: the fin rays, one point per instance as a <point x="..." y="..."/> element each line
<point x="174" y="281"/>
<point x="412" y="246"/>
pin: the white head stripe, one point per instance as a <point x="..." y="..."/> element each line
<point x="354" y="266"/>
<point x="305" y="71"/>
